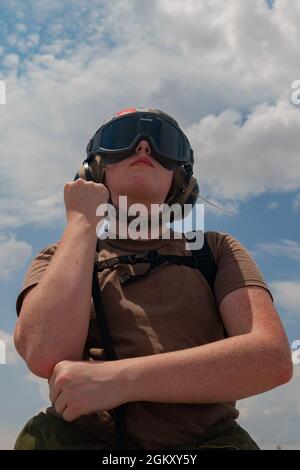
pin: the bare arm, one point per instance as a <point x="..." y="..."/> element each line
<point x="255" y="358"/>
<point x="54" y="318"/>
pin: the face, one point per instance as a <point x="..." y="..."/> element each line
<point x="147" y="183"/>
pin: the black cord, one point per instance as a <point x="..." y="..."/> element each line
<point x="119" y="412"/>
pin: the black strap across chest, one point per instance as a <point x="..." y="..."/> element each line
<point x="201" y="259"/>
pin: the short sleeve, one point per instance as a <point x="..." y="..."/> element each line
<point x="236" y="266"/>
<point x="35" y="271"/>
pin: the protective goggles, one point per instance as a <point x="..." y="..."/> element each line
<point x="117" y="139"/>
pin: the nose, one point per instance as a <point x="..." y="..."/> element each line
<point x="143" y="146"/>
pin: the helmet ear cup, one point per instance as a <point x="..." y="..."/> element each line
<point x="184" y="190"/>
<point x="92" y="170"/>
<point x="84" y="172"/>
<point x="184" y="187"/>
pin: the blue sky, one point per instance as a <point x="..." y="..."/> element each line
<point x="224" y="73"/>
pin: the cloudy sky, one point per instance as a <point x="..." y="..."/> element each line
<point x="224" y="70"/>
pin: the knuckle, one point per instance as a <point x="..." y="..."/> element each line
<point x="102" y="188"/>
<point x="64" y="362"/>
<point x="60" y="370"/>
<point x="62" y="379"/>
<point x="58" y="366"/>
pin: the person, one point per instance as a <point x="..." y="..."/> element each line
<point x="184" y="353"/>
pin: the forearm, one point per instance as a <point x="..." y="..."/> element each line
<point x="223" y="371"/>
<point x="53" y="325"/>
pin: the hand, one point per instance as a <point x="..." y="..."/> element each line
<point x="85" y="387"/>
<point x="82" y="199"/>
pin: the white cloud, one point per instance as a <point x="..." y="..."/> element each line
<point x="21" y="28"/>
<point x="287" y="295"/>
<point x="286" y="248"/>
<point x="13" y="255"/>
<point x="11" y="427"/>
<point x="11" y="60"/>
<point x="223" y="64"/>
<point x="8" y="435"/>
<point x="238" y="162"/>
<point x="42" y="211"/>
<point x="42" y="386"/>
<point x="272" y="418"/>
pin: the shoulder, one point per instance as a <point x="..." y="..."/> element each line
<point x="48" y="250"/>
<point x="42" y="258"/>
<point x="40" y="261"/>
<point x="35" y="271"/>
<point x="236" y="265"/>
<point x="224" y="243"/>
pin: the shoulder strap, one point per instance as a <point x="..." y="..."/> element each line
<point x="209" y="268"/>
<point x="119" y="411"/>
<point x="201" y="259"/>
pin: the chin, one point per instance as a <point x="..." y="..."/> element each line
<point x="141" y="194"/>
<point x="142" y="183"/>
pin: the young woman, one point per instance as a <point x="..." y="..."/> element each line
<point x="185" y="353"/>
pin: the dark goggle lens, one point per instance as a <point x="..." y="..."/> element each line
<point x="171" y="141"/>
<point x="119" y="135"/>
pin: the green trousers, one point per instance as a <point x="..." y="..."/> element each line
<point x="47" y="432"/>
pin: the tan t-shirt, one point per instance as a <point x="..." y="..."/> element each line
<point x="169" y="309"/>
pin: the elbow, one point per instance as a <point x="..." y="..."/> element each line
<point x="286" y="371"/>
<point x="32" y="356"/>
<point x="282" y="370"/>
<point x="40" y="368"/>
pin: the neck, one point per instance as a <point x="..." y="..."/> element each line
<point x="137" y="227"/>
<point x="144" y="221"/>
